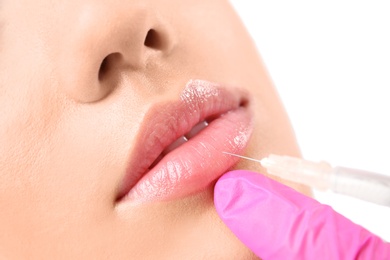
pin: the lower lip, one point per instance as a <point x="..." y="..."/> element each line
<point x="195" y="165"/>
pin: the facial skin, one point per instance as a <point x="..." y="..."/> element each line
<point x="68" y="124"/>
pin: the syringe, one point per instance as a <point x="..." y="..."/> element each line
<point x="368" y="186"/>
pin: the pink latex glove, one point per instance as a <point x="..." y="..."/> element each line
<point x="276" y="222"/>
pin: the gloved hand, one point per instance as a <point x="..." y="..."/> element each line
<point x="276" y="222"/>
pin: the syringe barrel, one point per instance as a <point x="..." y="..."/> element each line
<point x="361" y="184"/>
<point x="313" y="174"/>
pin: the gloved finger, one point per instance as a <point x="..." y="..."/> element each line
<point x="276" y="222"/>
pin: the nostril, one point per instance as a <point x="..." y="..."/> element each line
<point x="153" y="39"/>
<point x="103" y="68"/>
<point x="107" y="64"/>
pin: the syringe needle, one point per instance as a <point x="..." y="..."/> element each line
<point x="243" y="157"/>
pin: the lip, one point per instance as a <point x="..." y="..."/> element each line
<point x="196" y="164"/>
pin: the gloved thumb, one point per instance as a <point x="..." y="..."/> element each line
<point x="276" y="222"/>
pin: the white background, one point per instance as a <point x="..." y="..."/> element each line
<point x="330" y="61"/>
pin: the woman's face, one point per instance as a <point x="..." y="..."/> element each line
<point x="93" y="95"/>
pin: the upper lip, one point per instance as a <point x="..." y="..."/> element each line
<point x="164" y="123"/>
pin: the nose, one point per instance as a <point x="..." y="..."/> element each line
<point x="106" y="42"/>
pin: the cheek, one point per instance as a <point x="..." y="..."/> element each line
<point x="49" y="152"/>
<point x="25" y="133"/>
<point x="59" y="164"/>
<point x="26" y="125"/>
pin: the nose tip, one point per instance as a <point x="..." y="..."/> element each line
<point x="114" y="40"/>
<point x="135" y="54"/>
<point x="135" y="48"/>
<point x="134" y="43"/>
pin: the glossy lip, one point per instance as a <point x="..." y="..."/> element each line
<point x="200" y="161"/>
